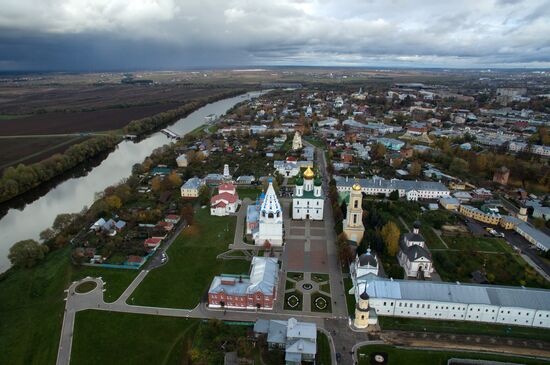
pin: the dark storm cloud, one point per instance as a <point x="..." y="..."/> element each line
<point x="163" y="34"/>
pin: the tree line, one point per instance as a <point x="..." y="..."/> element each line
<point x="149" y="124"/>
<point x="22" y="178"/>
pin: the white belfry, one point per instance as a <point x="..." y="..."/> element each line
<point x="226" y="171"/>
<point x="297" y="141"/>
<point x="270" y="227"/>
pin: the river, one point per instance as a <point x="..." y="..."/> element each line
<point x="74" y="194"/>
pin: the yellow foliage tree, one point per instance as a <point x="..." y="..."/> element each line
<point x="113" y="202"/>
<point x="390" y="234"/>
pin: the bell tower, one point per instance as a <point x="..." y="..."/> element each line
<point x="353" y="224"/>
<point x="362" y="310"/>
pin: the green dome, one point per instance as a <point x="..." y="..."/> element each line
<point x="318" y="181"/>
<point x="299" y="180"/>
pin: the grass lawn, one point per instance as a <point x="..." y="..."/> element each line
<point x="325" y="287"/>
<point x="31" y="311"/>
<point x="290" y="285"/>
<point x="501" y="268"/>
<point x="86" y="287"/>
<point x="117" y="279"/>
<point x="462" y="327"/>
<point x="296" y="276"/>
<point x="350" y="298"/>
<point x="251" y="193"/>
<point x="315" y="141"/>
<point x="431" y="238"/>
<point x="159" y="335"/>
<point x="192" y="264"/>
<point x="321" y="300"/>
<point x="396" y="356"/>
<point x="323" y="350"/>
<point x="319" y="278"/>
<point x="300" y="301"/>
<point x="32" y="306"/>
<point x="476" y="244"/>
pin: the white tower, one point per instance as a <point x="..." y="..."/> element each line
<point x="353" y="224"/>
<point x="297" y="141"/>
<point x="271" y="219"/>
<point x="362" y="310"/>
<point x="226" y="172"/>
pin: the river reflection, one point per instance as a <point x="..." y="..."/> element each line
<point x="72" y="195"/>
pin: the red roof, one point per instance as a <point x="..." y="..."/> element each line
<point x="173" y="217"/>
<point x="226" y="186"/>
<point x="166" y="224"/>
<point x="229" y="198"/>
<point x="134" y="258"/>
<point x="291" y="158"/>
<point x="220" y="204"/>
<point x="153" y="241"/>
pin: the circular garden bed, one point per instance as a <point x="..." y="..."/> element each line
<point x="86" y="287"/>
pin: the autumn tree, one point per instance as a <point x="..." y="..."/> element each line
<point x="188" y="214"/>
<point x="204" y="195"/>
<point x="378" y="151"/>
<point x="390" y="234"/>
<point x="27" y="253"/>
<point x="156" y="184"/>
<point x="415" y="169"/>
<point x="113" y="202"/>
<point x="174" y="179"/>
<point x="47" y="234"/>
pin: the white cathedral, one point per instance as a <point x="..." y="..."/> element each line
<point x="270" y="222"/>
<point x="308" y="201"/>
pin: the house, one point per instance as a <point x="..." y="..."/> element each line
<point x="160" y="170"/>
<point x="298" y="339"/>
<point x="501" y="175"/>
<point x="167" y="226"/>
<point x="181" y="160"/>
<point x="486" y="216"/>
<point x="172" y="218"/>
<point x="245" y="180"/>
<point x="134" y="260"/>
<point x="391" y="143"/>
<point x="226" y="201"/>
<point x="256" y="291"/>
<point x="214" y="179"/>
<point x="191" y="188"/>
<point x="152" y="243"/>
<point x="449" y="203"/>
<point x="414" y="256"/>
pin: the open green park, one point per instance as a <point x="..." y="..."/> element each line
<point x="32" y="306"/>
<point x="402" y="356"/>
<point x="192" y="264"/>
<point x="127" y="338"/>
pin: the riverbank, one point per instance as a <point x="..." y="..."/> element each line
<point x="24" y="178"/>
<point x="32" y="300"/>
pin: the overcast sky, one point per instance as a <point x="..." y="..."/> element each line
<point x="177" y="34"/>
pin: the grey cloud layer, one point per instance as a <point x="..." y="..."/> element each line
<point x="102" y="33"/>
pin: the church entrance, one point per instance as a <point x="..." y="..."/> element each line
<point x="307" y="216"/>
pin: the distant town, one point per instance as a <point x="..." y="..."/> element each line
<point x="319" y="223"/>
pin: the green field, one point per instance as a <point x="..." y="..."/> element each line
<point x="398" y="356"/>
<point x="117" y="280"/>
<point x="323" y="349"/>
<point x="121" y="338"/>
<point x="350" y="298"/>
<point x="192" y="264"/>
<point x="476" y="244"/>
<point x="251" y="193"/>
<point x="127" y="338"/>
<point x="300" y="301"/>
<point x="32" y="306"/>
<point x="461" y="327"/>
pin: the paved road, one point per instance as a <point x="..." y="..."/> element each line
<point x="83" y="134"/>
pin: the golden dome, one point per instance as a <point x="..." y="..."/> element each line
<point x="309" y="174"/>
<point x="356" y="187"/>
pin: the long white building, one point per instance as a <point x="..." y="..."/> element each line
<point x="449" y="301"/>
<point x="409" y="189"/>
